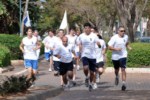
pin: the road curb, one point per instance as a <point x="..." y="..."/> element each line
<point x="6" y="69"/>
<point x="130" y="70"/>
<point x="41" y="95"/>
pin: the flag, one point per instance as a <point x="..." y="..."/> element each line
<point x="64" y="23"/>
<point x="26" y="20"/>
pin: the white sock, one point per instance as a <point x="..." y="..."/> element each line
<point x="117" y="76"/>
<point x="123" y="82"/>
<point x="87" y="77"/>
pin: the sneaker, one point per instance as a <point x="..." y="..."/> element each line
<point x="49" y="69"/>
<point x="123" y="88"/>
<point x="87" y="82"/>
<point x="116" y="81"/>
<point x="97" y="80"/>
<point x="66" y="87"/>
<point x="56" y="73"/>
<point x="78" y="67"/>
<point x="33" y="84"/>
<point x="90" y="87"/>
<point x="94" y="86"/>
<point x="72" y="83"/>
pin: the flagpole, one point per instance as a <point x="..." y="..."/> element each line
<point x="64" y="24"/>
<point x="20" y="2"/>
<point x="22" y="24"/>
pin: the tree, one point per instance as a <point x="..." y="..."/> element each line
<point x="100" y="13"/>
<point x="130" y="13"/>
<point x="9" y="15"/>
<point x="50" y="15"/>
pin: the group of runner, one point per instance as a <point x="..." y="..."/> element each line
<point x="64" y="52"/>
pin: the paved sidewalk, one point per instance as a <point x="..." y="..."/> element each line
<point x="135" y="81"/>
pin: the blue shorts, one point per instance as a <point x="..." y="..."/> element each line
<point x="119" y="63"/>
<point x="48" y="55"/>
<point x="31" y="63"/>
<point x="90" y="62"/>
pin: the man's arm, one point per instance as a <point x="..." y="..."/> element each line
<point x="128" y="46"/>
<point x="38" y="45"/>
<point x="21" y="47"/>
<point x="114" y="49"/>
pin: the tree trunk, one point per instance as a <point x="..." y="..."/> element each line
<point x="130" y="31"/>
<point x="148" y="28"/>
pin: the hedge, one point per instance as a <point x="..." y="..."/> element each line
<point x="139" y="56"/>
<point x="4" y="56"/>
<point x="12" y="42"/>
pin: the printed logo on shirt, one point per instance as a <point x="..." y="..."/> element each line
<point x="69" y="50"/>
<point x="90" y="39"/>
<point x="124" y="40"/>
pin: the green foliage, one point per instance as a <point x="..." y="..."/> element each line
<point x="42" y="49"/>
<point x="15" y="84"/>
<point x="12" y="42"/>
<point x="4" y="56"/>
<point x="139" y="56"/>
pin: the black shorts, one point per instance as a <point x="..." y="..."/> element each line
<point x="119" y="63"/>
<point x="90" y="62"/>
<point x="56" y="65"/>
<point x="65" y="67"/>
<point x="100" y="64"/>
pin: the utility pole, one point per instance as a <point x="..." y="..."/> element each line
<point x="22" y="24"/>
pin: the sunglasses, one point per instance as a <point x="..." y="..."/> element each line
<point x="122" y="30"/>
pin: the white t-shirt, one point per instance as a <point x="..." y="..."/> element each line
<point x="57" y="43"/>
<point x="71" y="40"/>
<point x="88" y="45"/>
<point x="118" y="42"/>
<point x="29" y="45"/>
<point x="64" y="52"/>
<point x="99" y="55"/>
<point x="49" y="41"/>
<point x="77" y="44"/>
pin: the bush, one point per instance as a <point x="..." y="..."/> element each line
<point x="139" y="56"/>
<point x="15" y="84"/>
<point x="12" y="42"/>
<point x="4" y="56"/>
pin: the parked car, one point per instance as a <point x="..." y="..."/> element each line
<point x="145" y="39"/>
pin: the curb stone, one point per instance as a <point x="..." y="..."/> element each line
<point x="130" y="70"/>
<point x="41" y="95"/>
<point x="6" y="69"/>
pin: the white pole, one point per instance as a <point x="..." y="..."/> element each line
<point x="22" y="25"/>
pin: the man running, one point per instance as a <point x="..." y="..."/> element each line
<point x="78" y="55"/>
<point x="87" y="41"/>
<point x="100" y="58"/>
<point x="28" y="46"/>
<point x="71" y="41"/>
<point x="64" y="53"/>
<point x="118" y="44"/>
<point x="49" y="44"/>
<point x="58" y="42"/>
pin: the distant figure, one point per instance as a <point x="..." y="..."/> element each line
<point x="49" y="46"/>
<point x="36" y="34"/>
